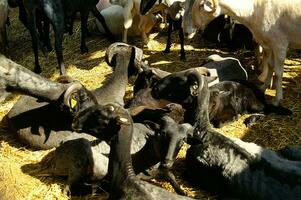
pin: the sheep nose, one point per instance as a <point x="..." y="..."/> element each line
<point x="75" y="127"/>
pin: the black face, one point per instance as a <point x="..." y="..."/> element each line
<point x="172" y="137"/>
<point x="174" y="88"/>
<point x="99" y="121"/>
<point x="146" y="5"/>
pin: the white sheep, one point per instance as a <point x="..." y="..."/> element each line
<point x="132" y="9"/>
<point x="275" y="25"/>
<point x="113" y="16"/>
<point x="3" y="21"/>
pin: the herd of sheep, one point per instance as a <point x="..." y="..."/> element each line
<point x="101" y="140"/>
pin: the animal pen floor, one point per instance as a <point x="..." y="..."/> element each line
<point x="23" y="177"/>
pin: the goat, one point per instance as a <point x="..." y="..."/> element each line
<point x="124" y="183"/>
<point x="3" y="21"/>
<point x="228" y="164"/>
<point x="270" y="29"/>
<point x="54" y="127"/>
<point x="113" y="16"/>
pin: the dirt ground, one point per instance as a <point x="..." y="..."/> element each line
<point x="21" y="176"/>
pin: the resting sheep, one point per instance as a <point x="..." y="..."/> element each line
<point x="54" y="127"/>
<point x="124" y="183"/>
<point x="275" y="25"/>
<point x="224" y="164"/>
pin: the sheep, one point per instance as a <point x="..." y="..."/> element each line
<point x="228" y="165"/>
<point x="17" y="78"/>
<point x="174" y="10"/>
<point x="113" y="16"/>
<point x="124" y="183"/>
<point x="270" y="29"/>
<point x="131" y="8"/>
<point x="56" y="12"/>
<point x="228" y="100"/>
<point x="54" y="127"/>
<point x="3" y="21"/>
<point x="70" y="158"/>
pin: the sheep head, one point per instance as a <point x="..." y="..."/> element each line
<point x="136" y="65"/>
<point x="101" y="121"/>
<point x="204" y="11"/>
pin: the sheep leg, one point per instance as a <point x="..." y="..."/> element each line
<point x="58" y="30"/>
<point x="142" y="27"/>
<point x="267" y="63"/>
<point x="172" y="179"/>
<point x="46" y="38"/>
<point x="128" y="19"/>
<point x="84" y="30"/>
<point x="56" y="16"/>
<point x="34" y="39"/>
<point x="264" y="67"/>
<point x="279" y="57"/>
<point x="102" y="20"/>
<point x="181" y="36"/>
<point x="168" y="43"/>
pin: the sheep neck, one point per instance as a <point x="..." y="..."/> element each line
<point x="114" y="89"/>
<point x="243" y="11"/>
<point x="120" y="163"/>
<point x="197" y="112"/>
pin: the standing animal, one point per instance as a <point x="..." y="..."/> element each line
<point x="3" y="22"/>
<point x="121" y="176"/>
<point x="174" y="10"/>
<point x="57" y="13"/>
<point x="131" y="8"/>
<point x="275" y="25"/>
<point x="113" y="16"/>
<point x="224" y="164"/>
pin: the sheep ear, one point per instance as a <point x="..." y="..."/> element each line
<point x="208" y="6"/>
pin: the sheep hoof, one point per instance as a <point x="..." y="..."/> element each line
<point x="165" y="52"/>
<point x="84" y="49"/>
<point x="37" y="69"/>
<point x="67" y="191"/>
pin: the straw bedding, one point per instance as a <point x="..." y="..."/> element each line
<point x="24" y="170"/>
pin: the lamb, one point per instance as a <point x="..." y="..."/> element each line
<point x="124" y="183"/>
<point x="113" y="16"/>
<point x="3" y="21"/>
<point x="228" y="165"/>
<point x="267" y="20"/>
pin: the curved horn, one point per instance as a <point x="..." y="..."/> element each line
<point x="195" y="77"/>
<point x="73" y="88"/>
<point x="111" y="51"/>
